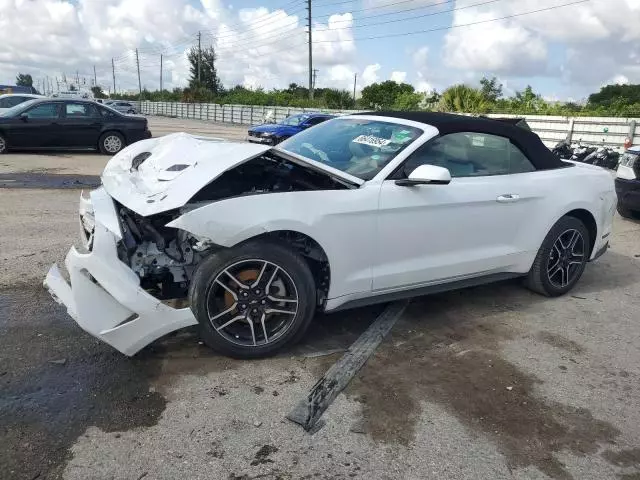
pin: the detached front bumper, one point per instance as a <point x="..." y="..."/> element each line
<point x="105" y="297"/>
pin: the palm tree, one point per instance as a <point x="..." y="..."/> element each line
<point x="463" y="99"/>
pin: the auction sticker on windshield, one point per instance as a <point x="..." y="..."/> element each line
<point x="371" y="141"/>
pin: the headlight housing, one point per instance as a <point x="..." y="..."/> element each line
<point x="266" y="135"/>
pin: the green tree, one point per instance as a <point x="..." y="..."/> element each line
<point x="463" y="99"/>
<point x="609" y="94"/>
<point x="383" y="95"/>
<point x="491" y="89"/>
<point x="408" y="101"/>
<point x="527" y="101"/>
<point x="98" y="93"/>
<point x="24" y="80"/>
<point x="209" y="79"/>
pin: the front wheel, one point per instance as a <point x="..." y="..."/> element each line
<point x="111" y="143"/>
<point x="252" y="300"/>
<point x="3" y="145"/>
<point x="561" y="259"/>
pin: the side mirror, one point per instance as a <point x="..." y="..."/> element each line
<point x="24" y="117"/>
<point x="426" y="175"/>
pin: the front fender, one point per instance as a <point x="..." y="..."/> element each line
<point x="342" y="222"/>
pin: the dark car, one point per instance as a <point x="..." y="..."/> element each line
<point x="69" y="124"/>
<point x="274" y="133"/>
<point x="628" y="183"/>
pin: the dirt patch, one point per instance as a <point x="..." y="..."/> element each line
<point x="558" y="341"/>
<point x="262" y="455"/>
<point x="454" y="362"/>
<point x="623" y="458"/>
<point x="56" y="381"/>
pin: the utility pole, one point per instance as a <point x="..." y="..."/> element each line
<point x="160" y="75"/>
<point x="77" y="78"/>
<point x="315" y="74"/>
<point x="199" y="55"/>
<point x="355" y="82"/>
<point x="139" y="82"/>
<point x="95" y="78"/>
<point x="46" y="85"/>
<point x="310" y="51"/>
<point x="113" y="71"/>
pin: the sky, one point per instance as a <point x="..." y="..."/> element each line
<point x="564" y="51"/>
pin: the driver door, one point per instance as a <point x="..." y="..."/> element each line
<point x="39" y="128"/>
<point x="431" y="234"/>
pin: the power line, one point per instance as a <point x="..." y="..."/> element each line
<point x="387" y="5"/>
<point x="461" y="25"/>
<point x="385" y="14"/>
<point x="340" y="3"/>
<point x="441" y="12"/>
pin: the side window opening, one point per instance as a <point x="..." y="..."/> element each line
<point x="469" y="154"/>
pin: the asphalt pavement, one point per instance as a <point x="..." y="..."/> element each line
<point x="492" y="382"/>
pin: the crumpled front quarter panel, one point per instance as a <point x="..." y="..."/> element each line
<point x="341" y="221"/>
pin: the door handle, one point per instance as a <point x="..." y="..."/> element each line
<point x="508" y="198"/>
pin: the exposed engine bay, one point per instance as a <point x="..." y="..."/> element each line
<point x="165" y="258"/>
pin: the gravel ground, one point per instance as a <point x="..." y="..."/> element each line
<point x="491" y="382"/>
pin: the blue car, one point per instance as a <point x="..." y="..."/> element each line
<point x="274" y="133"/>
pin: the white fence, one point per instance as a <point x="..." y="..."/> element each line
<point x="212" y="112"/>
<point x="608" y="131"/>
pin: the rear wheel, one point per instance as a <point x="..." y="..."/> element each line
<point x="252" y="300"/>
<point x="3" y="144"/>
<point x="111" y="143"/>
<point x="561" y="259"/>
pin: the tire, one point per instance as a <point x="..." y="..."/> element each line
<point x="544" y="277"/>
<point x="3" y="144"/>
<point x="111" y="143"/>
<point x="279" y="140"/>
<point x="241" y="331"/>
<point x="625" y="212"/>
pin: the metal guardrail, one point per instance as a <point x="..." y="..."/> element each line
<point x="607" y="131"/>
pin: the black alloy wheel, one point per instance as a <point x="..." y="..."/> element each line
<point x="253" y="299"/>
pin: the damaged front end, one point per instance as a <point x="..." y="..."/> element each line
<point x="164" y="258"/>
<point x="130" y="284"/>
<point x="106" y="296"/>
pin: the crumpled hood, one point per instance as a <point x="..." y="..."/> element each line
<point x="178" y="166"/>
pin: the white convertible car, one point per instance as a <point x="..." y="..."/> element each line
<point x="248" y="241"/>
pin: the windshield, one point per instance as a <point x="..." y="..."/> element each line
<point x="294" y="120"/>
<point x="354" y="145"/>
<point x="10" y="112"/>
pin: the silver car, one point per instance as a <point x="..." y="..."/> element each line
<point x="123" y="107"/>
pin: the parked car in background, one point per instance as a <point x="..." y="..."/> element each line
<point x="249" y="241"/>
<point x="628" y="183"/>
<point x="10" y="100"/>
<point x="69" y="124"/>
<point x="274" y="133"/>
<point x="123" y="107"/>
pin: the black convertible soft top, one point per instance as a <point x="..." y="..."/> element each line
<point x="527" y="141"/>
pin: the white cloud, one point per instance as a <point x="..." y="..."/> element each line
<point x="600" y="37"/>
<point x="370" y="74"/>
<point x="256" y="47"/>
<point x="398" y="77"/>
<point x="505" y="47"/>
